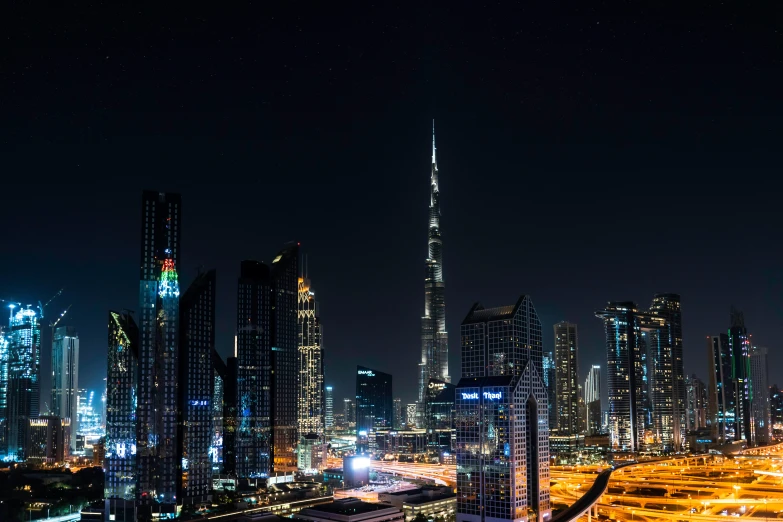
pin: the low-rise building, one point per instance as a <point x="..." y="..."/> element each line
<point x="431" y="502"/>
<point x="351" y="510"/>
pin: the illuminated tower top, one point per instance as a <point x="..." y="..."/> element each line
<point x="168" y="285"/>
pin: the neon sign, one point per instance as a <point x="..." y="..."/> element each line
<point x="368" y="373"/>
<point x="469" y="396"/>
<point x="491" y="396"/>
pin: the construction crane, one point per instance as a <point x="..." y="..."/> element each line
<point x="54" y="324"/>
<point x="55" y="296"/>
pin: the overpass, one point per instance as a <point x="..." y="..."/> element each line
<point x="587" y="504"/>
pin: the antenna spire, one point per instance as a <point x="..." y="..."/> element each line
<point x="433" y="140"/>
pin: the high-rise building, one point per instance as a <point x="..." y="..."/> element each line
<point x="399" y="420"/>
<point x="567" y="378"/>
<point x="624" y="368"/>
<point x="220" y="376"/>
<point x="411" y="414"/>
<point x="776" y="410"/>
<point x="721" y="403"/>
<point x="434" y="338"/>
<point x="502" y="432"/>
<point x="156" y="440"/>
<point x="667" y="375"/>
<point x="65" y="377"/>
<point x="195" y="388"/>
<point x="696" y="393"/>
<point x="311" y="364"/>
<point x="593" y="400"/>
<point x="268" y="365"/>
<point x="4" y="354"/>
<point x="230" y="416"/>
<point x="121" y="407"/>
<point x="739" y="346"/>
<point x="548" y="363"/>
<point x="374" y="401"/>
<point x="349" y="412"/>
<point x="760" y="395"/>
<point x="646" y="376"/>
<point x="46" y="439"/>
<point x="24" y="363"/>
<point x="329" y="424"/>
<point x="439" y="414"/>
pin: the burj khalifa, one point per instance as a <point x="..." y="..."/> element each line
<point x="434" y="338"/>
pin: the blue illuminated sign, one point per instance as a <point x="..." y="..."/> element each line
<point x="492" y="396"/>
<point x="468" y="396"/>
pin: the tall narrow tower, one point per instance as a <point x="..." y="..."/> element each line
<point x="434" y="338"/>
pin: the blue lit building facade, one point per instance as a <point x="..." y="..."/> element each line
<point x="374" y="400"/>
<point x="195" y="388"/>
<point x="65" y="379"/>
<point x="502" y="417"/>
<point x="220" y="377"/>
<point x="23" y="390"/>
<point x="4" y="355"/>
<point x="121" y="406"/>
<point x="158" y="468"/>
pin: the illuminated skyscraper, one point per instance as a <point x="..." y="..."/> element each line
<point x="156" y="441"/>
<point x="329" y="424"/>
<point x="311" y="364"/>
<point x="65" y="378"/>
<point x="502" y="428"/>
<point x="696" y="393"/>
<point x="739" y="346"/>
<point x="567" y="378"/>
<point x="267" y="359"/>
<point x="24" y="363"/>
<point x="593" y="400"/>
<point x="3" y="393"/>
<point x="434" y="338"/>
<point x="399" y="419"/>
<point x="548" y="363"/>
<point x="374" y="401"/>
<point x="230" y="417"/>
<point x="721" y="403"/>
<point x="217" y="446"/>
<point x="121" y="407"/>
<point x="195" y="388"/>
<point x="760" y="395"/>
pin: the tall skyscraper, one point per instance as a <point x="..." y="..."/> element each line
<point x="593" y="400"/>
<point x="121" y="407"/>
<point x="696" y="393"/>
<point x="739" y="346"/>
<point x="156" y="440"/>
<point x="217" y="447"/>
<point x="567" y="378"/>
<point x="646" y="376"/>
<point x="311" y="401"/>
<point x="721" y="403"/>
<point x="329" y="424"/>
<point x="4" y="355"/>
<point x="760" y="395"/>
<point x="776" y="410"/>
<point x="349" y="412"/>
<point x="65" y="378"/>
<point x="623" y="348"/>
<point x="548" y="363"/>
<point x="434" y="338"/>
<point x="374" y="401"/>
<point x="230" y="416"/>
<point x="502" y="444"/>
<point x="24" y="363"/>
<point x="195" y="388"/>
<point x="399" y="419"/>
<point x="667" y="375"/>
<point x="268" y="365"/>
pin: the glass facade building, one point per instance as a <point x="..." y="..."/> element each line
<point x="548" y="363"/>
<point x="121" y="407"/>
<point x="65" y="377"/>
<point x="374" y="401"/>
<point x="24" y="363"/>
<point x="567" y="378"/>
<point x="195" y="389"/>
<point x="434" y="337"/>
<point x="311" y="402"/>
<point x="329" y="412"/>
<point x="592" y="392"/>
<point x="156" y="441"/>
<point x="760" y="395"/>
<point x="502" y="417"/>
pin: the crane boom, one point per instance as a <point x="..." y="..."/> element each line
<point x="54" y="324"/>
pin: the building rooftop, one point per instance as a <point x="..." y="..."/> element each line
<point x="346" y="506"/>
<point x="492" y="380"/>
<point x="479" y="314"/>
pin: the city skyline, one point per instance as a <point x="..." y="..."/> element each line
<point x="349" y="128"/>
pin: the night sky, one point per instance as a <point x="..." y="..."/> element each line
<point x="586" y="155"/>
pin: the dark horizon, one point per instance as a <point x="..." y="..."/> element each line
<point x="585" y="155"/>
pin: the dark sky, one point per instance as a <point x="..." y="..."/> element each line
<point x="586" y="155"/>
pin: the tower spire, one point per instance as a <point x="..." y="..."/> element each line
<point x="433" y="140"/>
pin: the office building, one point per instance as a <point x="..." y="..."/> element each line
<point x="439" y="415"/>
<point x="760" y="396"/>
<point x="411" y="415"/>
<point x="567" y="378"/>
<point x="434" y="338"/>
<point x="230" y="416"/>
<point x="156" y="440"/>
<point x="776" y="411"/>
<point x="267" y="365"/>
<point x="399" y="418"/>
<point x="548" y="362"/>
<point x="4" y="355"/>
<point x="646" y="377"/>
<point x="329" y="417"/>
<point x="721" y="403"/>
<point x="220" y="376"/>
<point x="121" y="407"/>
<point x="739" y="346"/>
<point x="311" y="403"/>
<point x="65" y="378"/>
<point x="374" y="401"/>
<point x="24" y="363"/>
<point x="696" y="393"/>
<point x="195" y="388"/>
<point x="593" y="400"/>
<point x="46" y="439"/>
<point x="502" y="432"/>
<point x="667" y="373"/>
<point x="349" y="412"/>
